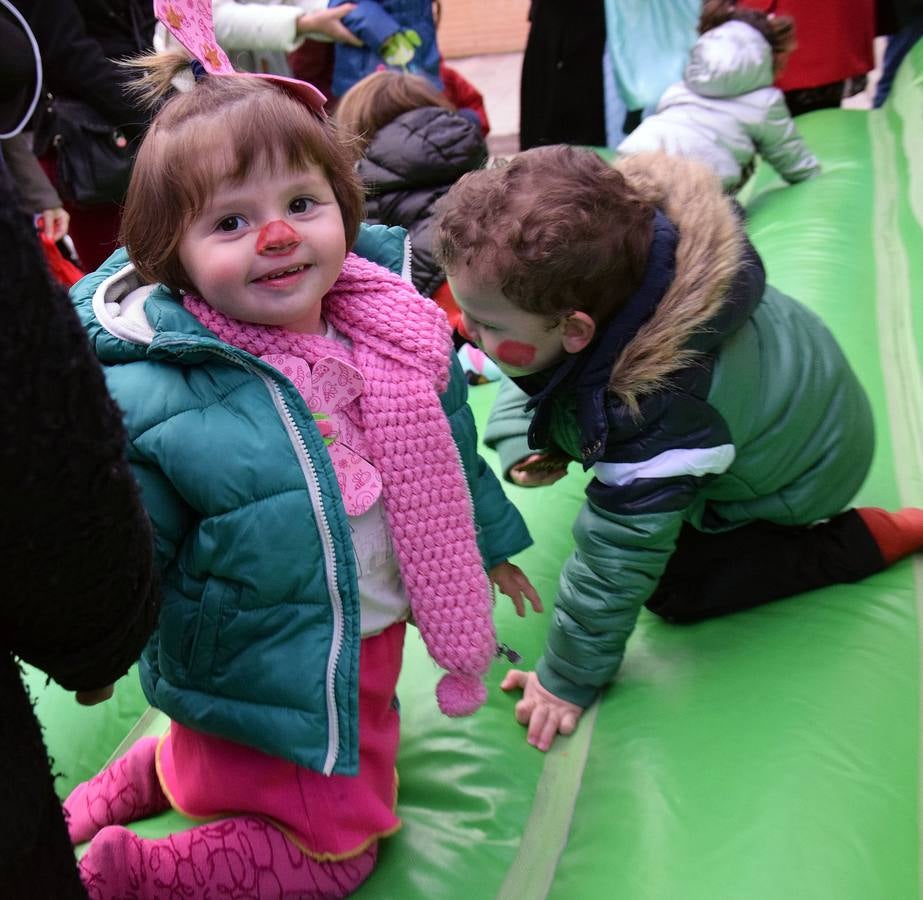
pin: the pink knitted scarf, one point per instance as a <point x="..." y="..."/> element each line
<point x="401" y="345"/>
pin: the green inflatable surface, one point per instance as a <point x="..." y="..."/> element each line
<point x="772" y="754"/>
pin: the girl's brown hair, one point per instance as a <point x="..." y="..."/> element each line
<point x="779" y="31"/>
<point x="221" y="130"/>
<point x="381" y="97"/>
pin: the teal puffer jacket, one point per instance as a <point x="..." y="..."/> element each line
<point x="258" y="638"/>
<point x="766" y="420"/>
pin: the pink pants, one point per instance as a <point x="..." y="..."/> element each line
<point x="242" y="856"/>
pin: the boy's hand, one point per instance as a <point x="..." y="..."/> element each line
<point x="513" y="582"/>
<point x="539" y="469"/>
<point x="545" y="714"/>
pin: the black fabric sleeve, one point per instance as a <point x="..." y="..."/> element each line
<point x="75" y="63"/>
<point x="80" y="596"/>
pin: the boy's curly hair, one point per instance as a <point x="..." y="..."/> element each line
<point x="557" y="229"/>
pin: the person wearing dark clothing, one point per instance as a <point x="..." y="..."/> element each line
<point x="79" y="598"/>
<point x="80" y="41"/>
<point x="906" y="18"/>
<point x="408" y="166"/>
<point x="561" y="92"/>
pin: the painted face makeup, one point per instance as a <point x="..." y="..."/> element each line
<point x="267" y="250"/>
<point x="516" y="354"/>
<point x="276" y="237"/>
<point x="519" y="342"/>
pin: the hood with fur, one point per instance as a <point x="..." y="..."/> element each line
<point x="691" y="317"/>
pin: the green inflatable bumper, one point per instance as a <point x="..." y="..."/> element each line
<point x="772" y="754"/>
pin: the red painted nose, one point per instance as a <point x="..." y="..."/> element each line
<point x="277" y="237"/>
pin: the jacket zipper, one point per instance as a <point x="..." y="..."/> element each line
<point x="313" y="483"/>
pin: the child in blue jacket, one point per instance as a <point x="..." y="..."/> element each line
<point x="395" y="33"/>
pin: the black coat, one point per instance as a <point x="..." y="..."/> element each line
<point x="561" y="97"/>
<point x="79" y="597"/>
<point x="79" y="41"/>
<point x="408" y="166"/>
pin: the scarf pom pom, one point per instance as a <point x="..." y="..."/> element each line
<point x="460" y="695"/>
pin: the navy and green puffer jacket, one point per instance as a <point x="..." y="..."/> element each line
<point x="258" y="638"/>
<point x="711" y="398"/>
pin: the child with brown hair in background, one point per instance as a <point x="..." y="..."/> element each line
<point x="416" y="146"/>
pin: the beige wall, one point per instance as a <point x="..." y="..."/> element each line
<point x="473" y="27"/>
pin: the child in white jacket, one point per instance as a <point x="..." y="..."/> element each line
<point x="258" y="35"/>
<point x="725" y="111"/>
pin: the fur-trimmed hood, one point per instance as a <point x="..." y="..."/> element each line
<point x="711" y="250"/>
<point x="702" y="282"/>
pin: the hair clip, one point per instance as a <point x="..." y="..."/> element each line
<point x="198" y="70"/>
<point x="190" y="22"/>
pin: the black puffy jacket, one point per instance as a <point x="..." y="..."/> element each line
<point x="408" y="166"/>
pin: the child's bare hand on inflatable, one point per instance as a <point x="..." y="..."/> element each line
<point x="539" y="469"/>
<point x="544" y="713"/>
<point x="513" y="582"/>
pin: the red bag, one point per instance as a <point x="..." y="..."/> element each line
<point x="61" y="268"/>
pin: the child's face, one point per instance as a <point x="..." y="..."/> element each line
<point x="519" y="342"/>
<point x="267" y="250"/>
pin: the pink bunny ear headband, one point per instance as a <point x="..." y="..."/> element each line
<point x="190" y="22"/>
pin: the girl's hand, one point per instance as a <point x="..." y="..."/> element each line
<point x="328" y="22"/>
<point x="546" y="715"/>
<point x="539" y="469"/>
<point x="513" y="582"/>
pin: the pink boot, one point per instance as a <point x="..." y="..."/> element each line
<point x="123" y="792"/>
<point x="239" y="857"/>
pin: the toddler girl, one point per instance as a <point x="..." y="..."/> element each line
<point x="308" y="460"/>
<point x="725" y="110"/>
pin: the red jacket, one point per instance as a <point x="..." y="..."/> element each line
<point x="462" y="94"/>
<point x="834" y="40"/>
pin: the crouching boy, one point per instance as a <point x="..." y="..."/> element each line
<point x="724" y="427"/>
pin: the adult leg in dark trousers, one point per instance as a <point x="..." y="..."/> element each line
<point x="712" y="574"/>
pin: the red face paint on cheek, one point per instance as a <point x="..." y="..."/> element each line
<point x="514" y="353"/>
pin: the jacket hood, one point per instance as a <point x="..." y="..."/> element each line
<point x="717" y="282"/>
<point x="128" y="320"/>
<point x="425" y="147"/>
<point x="732" y="59"/>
